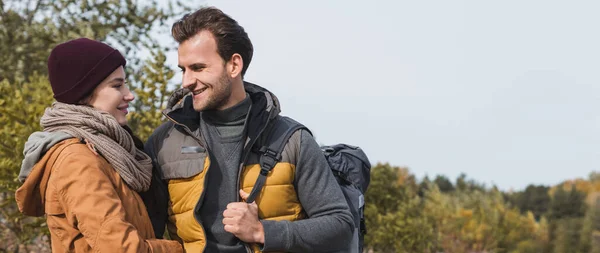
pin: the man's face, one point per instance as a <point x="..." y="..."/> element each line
<point x="204" y="72"/>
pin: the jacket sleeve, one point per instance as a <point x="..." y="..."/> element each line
<point x="87" y="193"/>
<point x="329" y="223"/>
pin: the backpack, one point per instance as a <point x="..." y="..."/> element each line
<point x="349" y="164"/>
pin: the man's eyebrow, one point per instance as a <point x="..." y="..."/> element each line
<point x="196" y="65"/>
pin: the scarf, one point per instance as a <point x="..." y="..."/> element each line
<point x="104" y="132"/>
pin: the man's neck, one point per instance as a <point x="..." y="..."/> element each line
<point x="238" y="94"/>
<point x="235" y="113"/>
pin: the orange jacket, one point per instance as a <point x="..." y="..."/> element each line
<point x="88" y="207"/>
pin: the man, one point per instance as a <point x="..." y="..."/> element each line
<point x="206" y="155"/>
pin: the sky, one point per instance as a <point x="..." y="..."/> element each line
<point x="504" y="91"/>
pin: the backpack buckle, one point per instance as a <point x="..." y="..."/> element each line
<point x="270" y="153"/>
<point x="268" y="160"/>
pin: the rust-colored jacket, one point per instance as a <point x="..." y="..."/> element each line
<point x="88" y="207"/>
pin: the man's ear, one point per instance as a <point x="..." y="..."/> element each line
<point x="235" y="65"/>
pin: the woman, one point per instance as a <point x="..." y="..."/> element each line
<point x="84" y="170"/>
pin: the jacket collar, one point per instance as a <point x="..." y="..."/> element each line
<point x="265" y="107"/>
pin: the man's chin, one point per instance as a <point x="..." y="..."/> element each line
<point x="200" y="107"/>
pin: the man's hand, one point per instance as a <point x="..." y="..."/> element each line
<point x="241" y="219"/>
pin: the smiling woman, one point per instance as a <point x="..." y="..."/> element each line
<point x="85" y="171"/>
<point x="113" y="96"/>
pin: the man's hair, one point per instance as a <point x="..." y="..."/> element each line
<point x="229" y="35"/>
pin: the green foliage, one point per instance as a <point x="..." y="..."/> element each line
<point x="28" y="32"/>
<point x="393" y="213"/>
<point x="567" y="204"/>
<point x="535" y="199"/>
<point x="568" y="231"/>
<point x="420" y="217"/>
<point x="402" y="214"/>
<point x="443" y="183"/>
<point x="590" y="231"/>
<point x="151" y="95"/>
<point x="20" y="110"/>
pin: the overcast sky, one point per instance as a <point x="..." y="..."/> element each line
<point x="504" y="91"/>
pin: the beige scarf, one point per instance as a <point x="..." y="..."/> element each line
<point x="104" y="132"/>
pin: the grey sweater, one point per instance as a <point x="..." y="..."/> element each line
<point x="223" y="132"/>
<point x="329" y="224"/>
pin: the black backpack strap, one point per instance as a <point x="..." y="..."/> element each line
<point x="270" y="148"/>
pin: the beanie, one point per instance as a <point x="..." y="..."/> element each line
<point x="77" y="66"/>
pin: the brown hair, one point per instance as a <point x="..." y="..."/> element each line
<point x="229" y="35"/>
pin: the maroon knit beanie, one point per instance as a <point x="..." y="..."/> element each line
<point x="76" y="67"/>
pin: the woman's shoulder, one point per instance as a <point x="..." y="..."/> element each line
<point x="76" y="155"/>
<point x="76" y="146"/>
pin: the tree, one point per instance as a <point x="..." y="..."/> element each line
<point x="462" y="184"/>
<point x="424" y="186"/>
<point x="591" y="226"/>
<point x="443" y="183"/>
<point x="402" y="217"/>
<point x="151" y="95"/>
<point x="565" y="215"/>
<point x="567" y="235"/>
<point x="19" y="120"/>
<point x="29" y="30"/>
<point x="567" y="204"/>
<point x="393" y="213"/>
<point x="535" y="199"/>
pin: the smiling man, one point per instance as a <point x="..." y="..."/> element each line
<point x="207" y="155"/>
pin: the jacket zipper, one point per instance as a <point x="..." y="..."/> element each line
<point x="250" y="144"/>
<point x="244" y="160"/>
<point x="188" y="131"/>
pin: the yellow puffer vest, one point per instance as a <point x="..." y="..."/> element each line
<point x="176" y="147"/>
<point x="277" y="201"/>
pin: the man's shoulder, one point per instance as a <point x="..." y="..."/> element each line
<point x="296" y="129"/>
<point x="292" y="133"/>
<point x="161" y="131"/>
<point x="157" y="137"/>
<point x="285" y="123"/>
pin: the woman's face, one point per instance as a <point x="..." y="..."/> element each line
<point x="113" y="96"/>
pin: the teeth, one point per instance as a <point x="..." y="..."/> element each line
<point x="199" y="91"/>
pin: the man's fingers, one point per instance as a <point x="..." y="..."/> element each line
<point x="237" y="205"/>
<point x="230" y="213"/>
<point x="253" y="205"/>
<point x="244" y="195"/>
<point x="227" y="213"/>
<point x="230" y="221"/>
<point x="230" y="228"/>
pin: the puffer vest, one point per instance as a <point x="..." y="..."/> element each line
<point x="180" y="153"/>
<point x="185" y="165"/>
